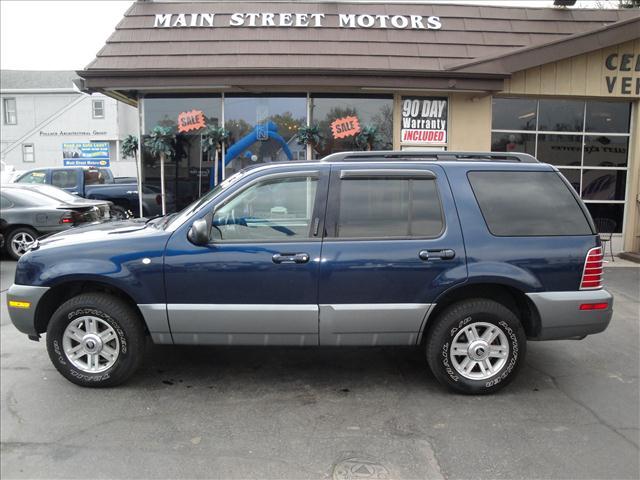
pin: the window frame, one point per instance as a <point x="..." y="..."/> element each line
<point x="94" y="102"/>
<point x="6" y="111"/>
<point x="378" y="173"/>
<point x="33" y="153"/>
<point x="317" y="215"/>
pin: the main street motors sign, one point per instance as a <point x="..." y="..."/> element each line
<point x="300" y="20"/>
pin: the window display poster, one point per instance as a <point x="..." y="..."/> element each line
<point x="424" y="120"/>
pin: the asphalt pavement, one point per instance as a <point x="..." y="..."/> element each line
<point x="327" y="413"/>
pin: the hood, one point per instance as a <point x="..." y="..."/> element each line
<point x="101" y="232"/>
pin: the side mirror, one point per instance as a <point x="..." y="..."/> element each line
<point x="199" y="232"/>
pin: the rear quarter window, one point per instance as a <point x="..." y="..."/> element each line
<point x="528" y="204"/>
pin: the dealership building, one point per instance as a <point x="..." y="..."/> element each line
<point x="298" y="80"/>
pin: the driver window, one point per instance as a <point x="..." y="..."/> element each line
<point x="277" y="209"/>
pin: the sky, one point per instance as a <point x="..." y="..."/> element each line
<point x="66" y="35"/>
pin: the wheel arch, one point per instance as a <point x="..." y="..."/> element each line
<point x="61" y="292"/>
<point x="508" y="295"/>
<point x="8" y="228"/>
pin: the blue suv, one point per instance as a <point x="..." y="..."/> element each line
<point x="465" y="255"/>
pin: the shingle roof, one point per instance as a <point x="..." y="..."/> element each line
<point x="468" y="32"/>
<point x="36" y="79"/>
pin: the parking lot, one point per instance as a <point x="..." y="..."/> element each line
<point x="328" y="413"/>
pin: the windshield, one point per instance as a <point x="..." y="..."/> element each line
<point x="195" y="206"/>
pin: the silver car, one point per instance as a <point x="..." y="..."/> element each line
<point x="104" y="206"/>
<point x="26" y="215"/>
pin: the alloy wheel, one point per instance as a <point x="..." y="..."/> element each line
<point x="91" y="344"/>
<point x="479" y="350"/>
<point x="21" y="243"/>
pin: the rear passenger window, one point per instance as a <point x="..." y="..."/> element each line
<point x="389" y="207"/>
<point x="528" y="204"/>
<point x="64" y="178"/>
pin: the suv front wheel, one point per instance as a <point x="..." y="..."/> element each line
<point x="95" y="340"/>
<point x="476" y="346"/>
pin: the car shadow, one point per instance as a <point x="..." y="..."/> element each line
<point x="276" y="367"/>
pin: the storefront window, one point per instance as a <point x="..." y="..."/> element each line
<point x="573" y="175"/>
<point x="263" y="129"/>
<point x="188" y="173"/>
<point x="352" y="123"/>
<point x="513" y="142"/>
<point x="606" y="151"/>
<point x="514" y="114"/>
<point x="608" y="117"/>
<point x="561" y="115"/>
<point x="611" y="211"/>
<point x="559" y="149"/>
<point x="593" y="148"/>
<point x="603" y="184"/>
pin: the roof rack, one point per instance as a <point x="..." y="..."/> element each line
<point x="439" y="156"/>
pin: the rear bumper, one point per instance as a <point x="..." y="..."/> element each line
<point x="23" y="314"/>
<point x="561" y="317"/>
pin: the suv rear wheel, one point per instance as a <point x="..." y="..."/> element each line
<point x="476" y="346"/>
<point x="95" y="340"/>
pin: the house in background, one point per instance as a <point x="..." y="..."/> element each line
<point x="42" y="110"/>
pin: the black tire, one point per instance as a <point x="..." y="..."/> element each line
<point x="119" y="213"/>
<point x="121" y="317"/>
<point x="459" y="316"/>
<point x="12" y="235"/>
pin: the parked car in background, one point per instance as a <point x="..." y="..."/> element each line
<point x="94" y="183"/>
<point x="463" y="255"/>
<point x="66" y="197"/>
<point x="26" y="215"/>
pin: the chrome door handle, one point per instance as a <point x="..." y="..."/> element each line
<point x="444" y="254"/>
<point x="290" y="258"/>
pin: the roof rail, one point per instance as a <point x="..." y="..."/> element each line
<point x="430" y="155"/>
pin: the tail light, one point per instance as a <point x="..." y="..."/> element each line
<point x="73" y="217"/>
<point x="592" y="273"/>
<point x="67" y="218"/>
<point x="158" y="199"/>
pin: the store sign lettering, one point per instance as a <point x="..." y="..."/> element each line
<point x="345" y="127"/>
<point x="299" y="20"/>
<point x="193" y="120"/>
<point x="620" y="83"/>
<point x="424" y="120"/>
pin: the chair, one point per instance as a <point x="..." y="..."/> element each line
<point x="605" y="228"/>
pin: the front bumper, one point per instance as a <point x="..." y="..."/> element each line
<point x="561" y="317"/>
<point x="22" y="301"/>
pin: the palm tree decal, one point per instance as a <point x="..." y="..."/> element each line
<point x="160" y="143"/>
<point x="129" y="149"/>
<point x="211" y="139"/>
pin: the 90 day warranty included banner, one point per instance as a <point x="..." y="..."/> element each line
<point x="424" y="120"/>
